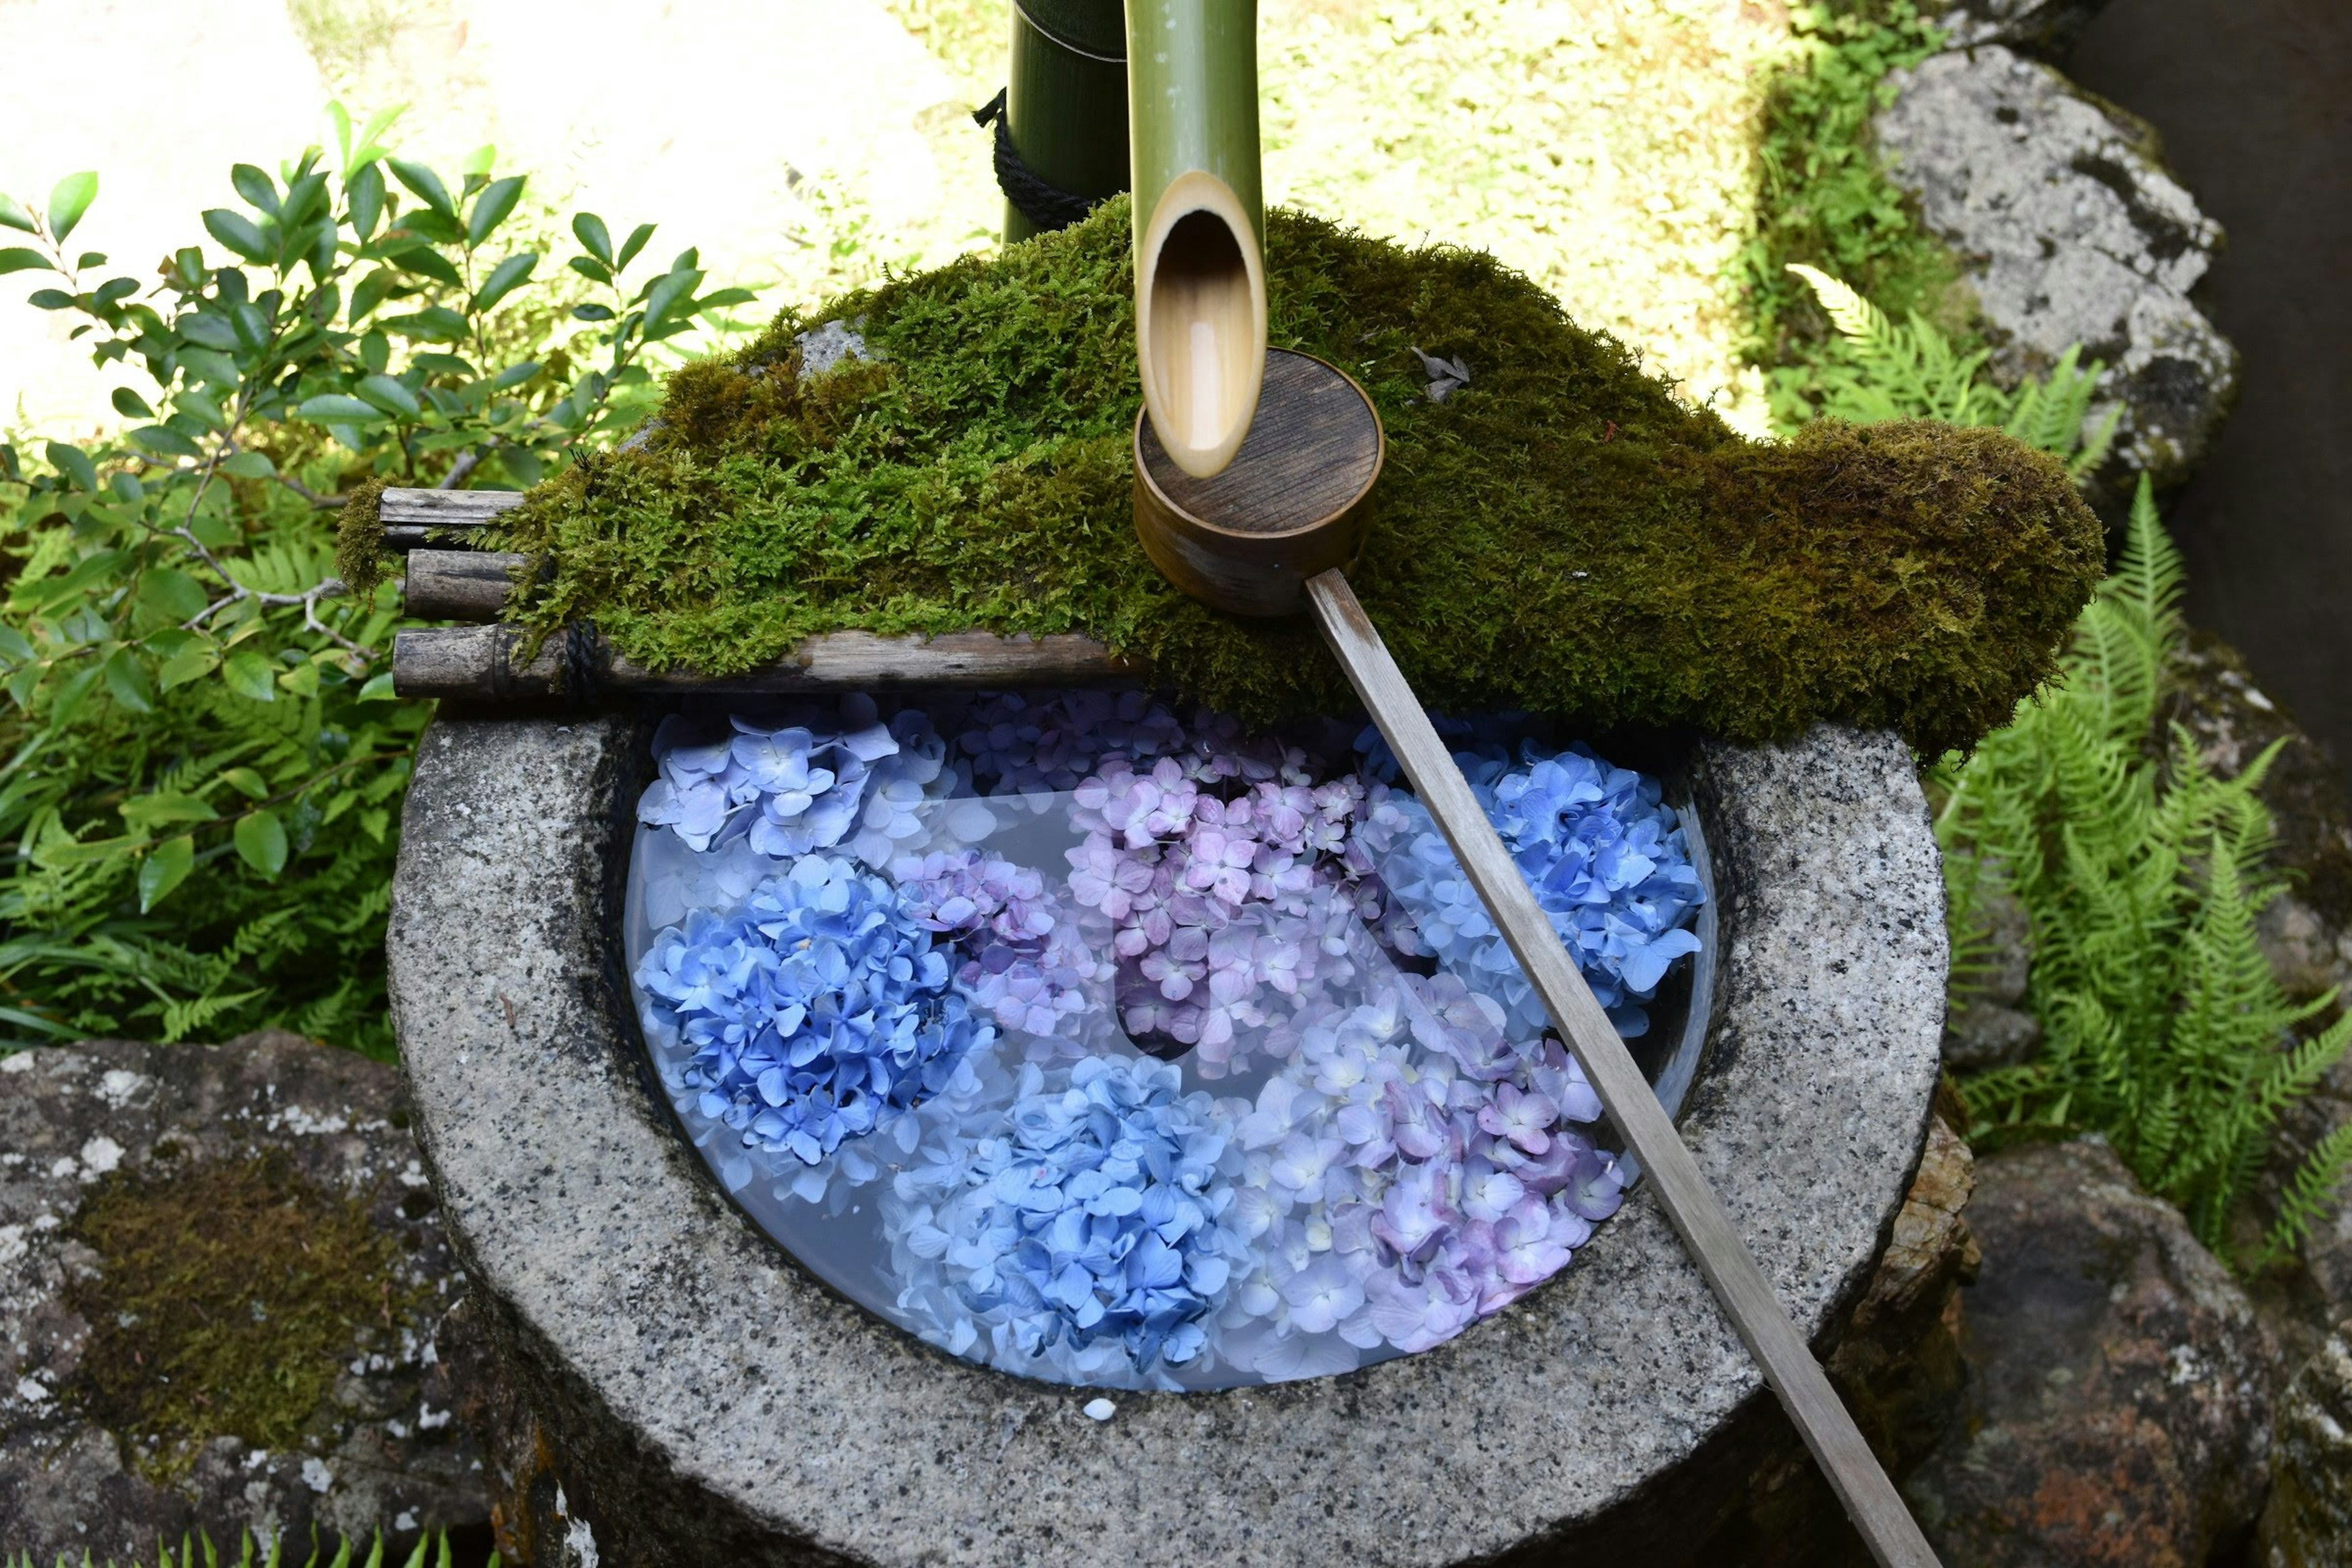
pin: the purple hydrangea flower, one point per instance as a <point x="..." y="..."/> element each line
<point x="1025" y="962"/>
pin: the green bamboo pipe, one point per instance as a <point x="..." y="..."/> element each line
<point x="1065" y="99"/>
<point x="1200" y="224"/>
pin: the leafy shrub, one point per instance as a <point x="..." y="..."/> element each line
<point x="1824" y="195"/>
<point x="2142" y="875"/>
<point x="1880" y="371"/>
<point x="200" y="759"/>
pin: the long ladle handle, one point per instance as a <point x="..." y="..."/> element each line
<point x="1869" y="1498"/>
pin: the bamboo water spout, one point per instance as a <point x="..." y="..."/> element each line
<point x="1200" y="227"/>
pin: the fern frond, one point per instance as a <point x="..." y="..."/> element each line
<point x="2308" y="1195"/>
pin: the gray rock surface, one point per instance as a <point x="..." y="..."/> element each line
<point x="379" y="1450"/>
<point x="2307" y="1522"/>
<point x="708" y="1401"/>
<point x="2120" y="1385"/>
<point x="2044" y="27"/>
<point x="1992" y="1027"/>
<point x="2070" y="231"/>
<point x="1896" y="1365"/>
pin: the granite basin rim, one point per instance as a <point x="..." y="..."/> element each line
<point x="748" y="1395"/>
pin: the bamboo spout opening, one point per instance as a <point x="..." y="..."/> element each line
<point x="1201" y="323"/>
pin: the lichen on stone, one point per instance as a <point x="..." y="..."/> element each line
<point x="1561" y="535"/>
<point x="225" y="1300"/>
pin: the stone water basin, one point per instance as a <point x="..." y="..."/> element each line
<point x="704" y="1391"/>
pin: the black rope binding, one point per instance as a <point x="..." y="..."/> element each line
<point x="1047" y="207"/>
<point x="583" y="668"/>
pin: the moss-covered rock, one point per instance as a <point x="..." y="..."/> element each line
<point x="1563" y="536"/>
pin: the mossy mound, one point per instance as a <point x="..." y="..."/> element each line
<point x="225" y="1301"/>
<point x="1563" y="536"/>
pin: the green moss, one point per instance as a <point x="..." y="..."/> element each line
<point x="226" y="1299"/>
<point x="358" y="538"/>
<point x="1562" y="536"/>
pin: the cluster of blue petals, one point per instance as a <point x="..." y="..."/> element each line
<point x="1097" y="1215"/>
<point x="817" y="1010"/>
<point x="1603" y="852"/>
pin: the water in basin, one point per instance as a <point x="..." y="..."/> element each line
<point x="1118" y="1049"/>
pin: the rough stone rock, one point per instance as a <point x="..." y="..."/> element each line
<point x="2046" y="28"/>
<point x="87" y="1128"/>
<point x="2308" y="1522"/>
<point x="2071" y="232"/>
<point x="2120" y="1384"/>
<point x="1897" y="1364"/>
<point x="1991" y="1027"/>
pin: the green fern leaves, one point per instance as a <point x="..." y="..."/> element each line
<point x="2142" y="875"/>
<point x="1913" y="372"/>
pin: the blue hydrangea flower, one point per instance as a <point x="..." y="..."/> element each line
<point x="815" y="1011"/>
<point x="1093" y="1221"/>
<point x="853" y="782"/>
<point x="1603" y="852"/>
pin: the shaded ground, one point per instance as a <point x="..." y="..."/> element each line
<point x="2253" y="98"/>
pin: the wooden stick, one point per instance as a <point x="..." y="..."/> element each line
<point x="459" y="584"/>
<point x="480" y="664"/>
<point x="1869" y="1498"/>
<point x="409" y="516"/>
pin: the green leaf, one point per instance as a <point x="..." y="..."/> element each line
<point x="166" y="867"/>
<point x="68" y="201"/>
<point x="514" y="375"/>
<point x="427" y="262"/>
<point x="209" y="328"/>
<point x="505" y="279"/>
<point x="379" y="688"/>
<point x="74" y="463"/>
<point x="261" y="840"/>
<point x="239" y="234"/>
<point x="130" y="406"/>
<point x="630" y="247"/>
<point x="164" y="440"/>
<point x="590" y="231"/>
<point x="250" y="466"/>
<point x="165" y="808"/>
<point x="592" y="312"/>
<point x="246" y="782"/>
<point x="14" y="216"/>
<point x="335" y="405"/>
<point x="255" y="187"/>
<point x="172" y="596"/>
<point x="724" y="298"/>
<point x="492" y="208"/>
<point x="388" y="394"/>
<point x="191" y="663"/>
<point x="17" y="258"/>
<point x="440" y="324"/>
<point x="50" y="299"/>
<point x="365" y="192"/>
<point x="426" y="183"/>
<point x="669" y="292"/>
<point x="127" y="682"/>
<point x="590" y="268"/>
<point x="248" y="674"/>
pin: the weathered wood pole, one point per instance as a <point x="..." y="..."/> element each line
<point x="1200" y="224"/>
<point x="1066" y="100"/>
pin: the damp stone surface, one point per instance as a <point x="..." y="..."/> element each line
<point x="705" y="1395"/>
